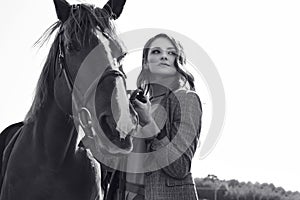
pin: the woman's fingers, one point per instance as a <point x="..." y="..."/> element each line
<point x="140" y="104"/>
<point x="143" y="110"/>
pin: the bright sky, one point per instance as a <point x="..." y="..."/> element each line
<point x="255" y="46"/>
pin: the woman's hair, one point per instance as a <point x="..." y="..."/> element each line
<point x="143" y="80"/>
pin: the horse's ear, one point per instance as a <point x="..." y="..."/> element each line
<point x="62" y="9"/>
<point x="114" y="8"/>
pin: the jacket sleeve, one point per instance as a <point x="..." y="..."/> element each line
<point x="183" y="135"/>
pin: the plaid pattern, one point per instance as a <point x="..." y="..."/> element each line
<point x="183" y="124"/>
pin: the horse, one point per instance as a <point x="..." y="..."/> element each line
<point x="80" y="109"/>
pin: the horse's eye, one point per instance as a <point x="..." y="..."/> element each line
<point x="71" y="47"/>
<point x="68" y="47"/>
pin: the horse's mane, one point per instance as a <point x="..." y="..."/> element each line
<point x="84" y="20"/>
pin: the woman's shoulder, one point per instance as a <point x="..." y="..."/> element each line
<point x="186" y="95"/>
<point x="184" y="99"/>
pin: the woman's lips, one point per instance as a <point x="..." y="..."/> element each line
<point x="164" y="64"/>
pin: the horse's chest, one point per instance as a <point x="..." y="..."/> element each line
<point x="78" y="179"/>
<point x="84" y="175"/>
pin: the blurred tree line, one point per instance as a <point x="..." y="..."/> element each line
<point x="211" y="188"/>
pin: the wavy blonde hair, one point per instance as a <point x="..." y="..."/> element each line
<point x="186" y="79"/>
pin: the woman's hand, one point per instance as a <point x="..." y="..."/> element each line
<point x="143" y="110"/>
<point x="158" y="144"/>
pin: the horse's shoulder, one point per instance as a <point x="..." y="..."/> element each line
<point x="12" y="127"/>
<point x="5" y="137"/>
<point x="9" y="132"/>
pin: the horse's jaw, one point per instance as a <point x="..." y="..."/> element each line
<point x="101" y="143"/>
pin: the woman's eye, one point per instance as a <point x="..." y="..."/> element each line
<point x="172" y="53"/>
<point x="155" y="51"/>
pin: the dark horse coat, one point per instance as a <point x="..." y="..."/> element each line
<point x="42" y="158"/>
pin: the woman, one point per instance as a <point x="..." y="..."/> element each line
<point x="172" y="113"/>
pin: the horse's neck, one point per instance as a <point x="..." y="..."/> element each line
<point x="56" y="130"/>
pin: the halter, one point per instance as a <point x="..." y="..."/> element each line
<point x="80" y="100"/>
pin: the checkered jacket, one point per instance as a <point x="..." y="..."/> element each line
<point x="180" y="125"/>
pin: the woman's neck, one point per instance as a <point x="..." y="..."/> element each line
<point x="163" y="85"/>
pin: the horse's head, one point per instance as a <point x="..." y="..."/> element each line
<point x="88" y="79"/>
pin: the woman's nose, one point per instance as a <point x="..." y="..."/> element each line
<point x="164" y="56"/>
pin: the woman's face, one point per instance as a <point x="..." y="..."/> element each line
<point x="161" y="58"/>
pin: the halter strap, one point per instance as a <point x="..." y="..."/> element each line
<point x="64" y="67"/>
<point x="80" y="100"/>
